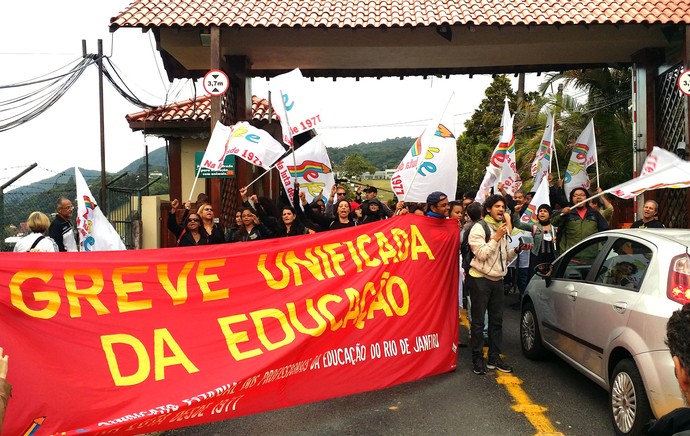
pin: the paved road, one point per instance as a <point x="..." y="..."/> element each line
<point x="540" y="397"/>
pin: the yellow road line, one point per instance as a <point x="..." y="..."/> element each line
<point x="534" y="413"/>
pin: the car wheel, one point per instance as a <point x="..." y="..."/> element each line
<point x="630" y="409"/>
<point x="530" y="338"/>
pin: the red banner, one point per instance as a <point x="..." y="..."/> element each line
<point x="141" y="341"/>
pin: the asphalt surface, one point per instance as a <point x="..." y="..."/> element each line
<point x="454" y="403"/>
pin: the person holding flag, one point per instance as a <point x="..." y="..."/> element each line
<point x="584" y="154"/>
<point x="579" y="221"/>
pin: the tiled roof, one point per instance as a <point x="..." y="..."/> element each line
<point x="396" y="13"/>
<point x="198" y="109"/>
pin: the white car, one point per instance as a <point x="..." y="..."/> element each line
<point x="603" y="306"/>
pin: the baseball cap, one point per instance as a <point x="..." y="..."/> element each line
<point x="435" y="197"/>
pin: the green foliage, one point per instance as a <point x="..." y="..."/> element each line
<point x="382" y="155"/>
<point x="484" y="127"/>
<point x="605" y="96"/>
<point x="355" y="165"/>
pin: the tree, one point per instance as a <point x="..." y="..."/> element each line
<point x="481" y="134"/>
<point x="605" y="96"/>
<point x="356" y="165"/>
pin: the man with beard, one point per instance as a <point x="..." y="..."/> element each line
<point x="487" y="269"/>
<point x="677" y="422"/>
<point x="649" y="221"/>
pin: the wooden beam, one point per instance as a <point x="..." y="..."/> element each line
<point x="213" y="185"/>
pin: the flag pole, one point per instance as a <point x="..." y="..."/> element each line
<point x="194" y="184"/>
<point x="554" y="153"/>
<point x="414" y="175"/>
<point x="292" y="138"/>
<point x="265" y="172"/>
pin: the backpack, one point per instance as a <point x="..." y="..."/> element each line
<point x="466" y="250"/>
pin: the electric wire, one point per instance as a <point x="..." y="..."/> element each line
<point x="41" y="100"/>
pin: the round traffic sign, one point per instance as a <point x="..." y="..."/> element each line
<point x="216" y="82"/>
<point x="684" y="82"/>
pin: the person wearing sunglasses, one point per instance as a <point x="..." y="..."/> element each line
<point x="188" y="233"/>
<point x="213" y="231"/>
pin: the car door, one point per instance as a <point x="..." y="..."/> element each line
<point x="603" y="306"/>
<point x="560" y="297"/>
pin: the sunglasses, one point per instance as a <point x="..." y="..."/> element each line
<point x="194" y="220"/>
<point x="207" y="209"/>
<point x="340" y="193"/>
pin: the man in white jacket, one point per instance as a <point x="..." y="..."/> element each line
<point x="487" y="268"/>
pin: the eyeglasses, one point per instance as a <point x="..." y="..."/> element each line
<point x="193" y="220"/>
<point x="207" y="209"/>
<point x="67" y="207"/>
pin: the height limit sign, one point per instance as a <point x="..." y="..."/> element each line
<point x="216" y="82"/>
<point x="684" y="82"/>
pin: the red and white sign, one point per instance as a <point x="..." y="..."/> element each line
<point x="216" y="82"/>
<point x="141" y="341"/>
<point x="684" y="82"/>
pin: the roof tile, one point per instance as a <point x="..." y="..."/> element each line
<point x="198" y="109"/>
<point x="393" y="13"/>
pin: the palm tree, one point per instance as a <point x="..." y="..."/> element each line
<point x="603" y="94"/>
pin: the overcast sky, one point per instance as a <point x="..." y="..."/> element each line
<point x="38" y="39"/>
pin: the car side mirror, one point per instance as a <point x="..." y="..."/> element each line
<point x="544" y="270"/>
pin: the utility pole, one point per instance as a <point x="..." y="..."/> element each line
<point x="99" y="62"/>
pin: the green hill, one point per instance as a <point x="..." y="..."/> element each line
<point x="383" y="155"/>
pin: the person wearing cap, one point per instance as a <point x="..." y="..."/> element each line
<point x="372" y="193"/>
<point x="373" y="211"/>
<point x="544" y="235"/>
<point x="438" y="205"/>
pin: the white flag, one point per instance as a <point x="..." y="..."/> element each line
<point x="661" y="169"/>
<point x="541" y="196"/>
<point x="584" y="154"/>
<point x="95" y="231"/>
<point x="431" y="164"/>
<point x="509" y="173"/>
<point x="498" y="157"/>
<point x="311" y="167"/>
<point x="542" y="160"/>
<point x="243" y="140"/>
<point x="295" y="102"/>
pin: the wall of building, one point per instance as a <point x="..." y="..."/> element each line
<point x="189" y="148"/>
<point x="150" y="221"/>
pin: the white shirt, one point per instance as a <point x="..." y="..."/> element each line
<point x="46" y="244"/>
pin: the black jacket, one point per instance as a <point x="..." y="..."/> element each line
<point x="673" y="423"/>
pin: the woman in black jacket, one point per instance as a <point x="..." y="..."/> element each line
<point x="190" y="234"/>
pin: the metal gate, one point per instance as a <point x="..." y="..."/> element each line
<point x="671" y="120"/>
<point x="124" y="212"/>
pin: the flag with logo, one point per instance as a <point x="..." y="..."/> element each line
<point x="541" y="196"/>
<point x="296" y="104"/>
<point x="584" y="154"/>
<point x="243" y="140"/>
<point x="311" y="168"/>
<point x="509" y="172"/>
<point x="95" y="231"/>
<point x="542" y="160"/>
<point x="661" y="169"/>
<point x="431" y="164"/>
<point x="498" y="157"/>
